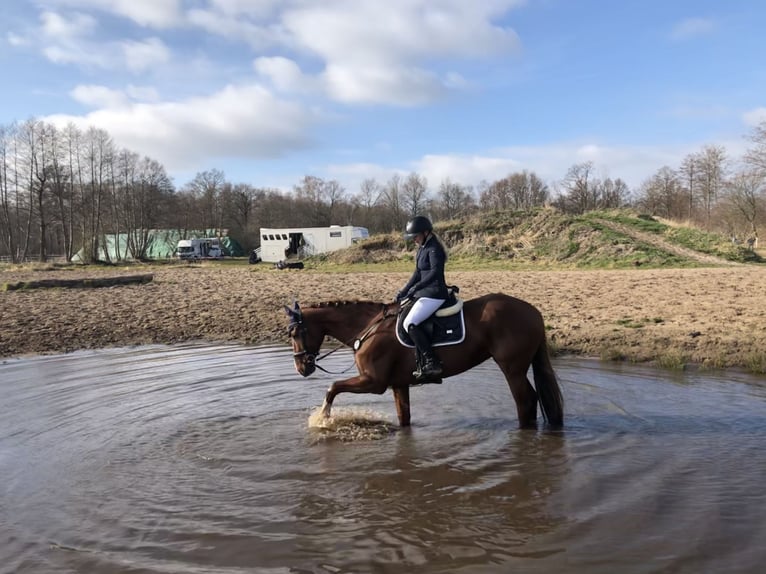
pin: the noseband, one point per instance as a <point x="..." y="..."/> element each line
<point x="310" y="356"/>
<point x="298" y="324"/>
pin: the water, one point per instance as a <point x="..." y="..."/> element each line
<point x="192" y="459"/>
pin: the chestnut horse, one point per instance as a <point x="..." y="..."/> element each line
<point x="509" y="330"/>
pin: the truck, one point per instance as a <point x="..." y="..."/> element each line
<point x="199" y="248"/>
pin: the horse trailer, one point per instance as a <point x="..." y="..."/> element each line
<point x="299" y="242"/>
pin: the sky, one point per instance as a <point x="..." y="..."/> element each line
<point x="270" y="91"/>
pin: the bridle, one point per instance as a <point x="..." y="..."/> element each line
<point x="313" y="356"/>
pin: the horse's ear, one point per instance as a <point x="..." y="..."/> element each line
<point x="296" y="307"/>
<point x="289" y="312"/>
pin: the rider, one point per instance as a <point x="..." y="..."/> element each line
<point x="429" y="289"/>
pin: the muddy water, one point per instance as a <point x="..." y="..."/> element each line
<point x="195" y="459"/>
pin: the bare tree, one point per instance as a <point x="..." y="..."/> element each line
<point x="756" y="155"/>
<point x="415" y="194"/>
<point x="332" y="194"/>
<point x="496" y="196"/>
<point x="207" y="187"/>
<point x="746" y="196"/>
<point x="613" y="193"/>
<point x="366" y="200"/>
<point x="662" y="194"/>
<point x="712" y="169"/>
<point x="308" y="196"/>
<point x="391" y="201"/>
<point x="454" y="199"/>
<point x="99" y="153"/>
<point x="689" y="175"/>
<point x="8" y="192"/>
<point x="580" y="192"/>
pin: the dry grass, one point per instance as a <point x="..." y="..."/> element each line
<point x="712" y="316"/>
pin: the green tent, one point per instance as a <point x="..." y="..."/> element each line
<point x="162" y="244"/>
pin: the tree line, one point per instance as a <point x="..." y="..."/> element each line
<point x="66" y="189"/>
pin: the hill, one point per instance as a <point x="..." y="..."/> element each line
<point x="546" y="238"/>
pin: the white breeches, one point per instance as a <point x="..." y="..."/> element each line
<point x="422" y="310"/>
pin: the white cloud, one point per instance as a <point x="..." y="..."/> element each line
<point x="366" y="54"/>
<point x="237" y="121"/>
<point x="379" y="56"/>
<point x="142" y="93"/>
<point x="150" y="13"/>
<point x="352" y="51"/>
<point x="284" y="74"/>
<point x="99" y="96"/>
<point x="70" y="39"/>
<point x="754" y="117"/>
<point x="398" y="85"/>
<point x="234" y="27"/>
<point x="64" y="40"/>
<point x="253" y="8"/>
<point x="56" y="27"/>
<point x="140" y="56"/>
<point x="692" y="28"/>
<point x="360" y="31"/>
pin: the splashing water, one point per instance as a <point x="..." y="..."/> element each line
<point x="350" y="424"/>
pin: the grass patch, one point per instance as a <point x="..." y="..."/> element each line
<point x="756" y="363"/>
<point x="612" y="354"/>
<point x="672" y="360"/>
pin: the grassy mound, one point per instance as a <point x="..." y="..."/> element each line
<point x="546" y="238"/>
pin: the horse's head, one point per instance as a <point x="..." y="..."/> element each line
<point x="305" y="340"/>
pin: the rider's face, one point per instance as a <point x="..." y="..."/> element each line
<point x="420" y="238"/>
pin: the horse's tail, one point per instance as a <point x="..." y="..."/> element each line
<point x="548" y="391"/>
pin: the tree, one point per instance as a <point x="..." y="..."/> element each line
<point x="207" y="187"/>
<point x="746" y="197"/>
<point x="333" y="194"/>
<point x="689" y="175"/>
<point x="8" y="192"/>
<point x="454" y="199"/>
<point x="580" y="191"/>
<point x="392" y="203"/>
<point x="613" y="193"/>
<point x="662" y="194"/>
<point x="415" y="194"/>
<point x="519" y="190"/>
<point x="755" y="157"/>
<point x="712" y="168"/>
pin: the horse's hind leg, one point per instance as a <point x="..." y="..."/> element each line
<point x="523" y="393"/>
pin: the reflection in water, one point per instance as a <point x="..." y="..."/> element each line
<point x="211" y="459"/>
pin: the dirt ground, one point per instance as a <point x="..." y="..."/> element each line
<point x="714" y="316"/>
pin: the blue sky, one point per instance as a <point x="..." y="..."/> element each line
<point x="269" y="91"/>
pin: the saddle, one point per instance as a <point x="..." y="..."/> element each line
<point x="445" y="327"/>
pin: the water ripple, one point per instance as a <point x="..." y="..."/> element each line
<point x="198" y="458"/>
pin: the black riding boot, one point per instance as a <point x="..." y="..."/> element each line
<point x="429" y="369"/>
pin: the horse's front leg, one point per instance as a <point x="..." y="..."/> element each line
<point x="402" y="400"/>
<point x="358" y="384"/>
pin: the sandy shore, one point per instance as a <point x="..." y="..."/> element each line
<point x="714" y="316"/>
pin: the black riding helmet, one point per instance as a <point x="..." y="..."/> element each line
<point x="418" y="224"/>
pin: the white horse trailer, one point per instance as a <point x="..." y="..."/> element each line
<point x="279" y="244"/>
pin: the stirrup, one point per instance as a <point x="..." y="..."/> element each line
<point x="430" y="373"/>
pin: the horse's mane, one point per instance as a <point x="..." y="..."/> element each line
<point x="340" y="303"/>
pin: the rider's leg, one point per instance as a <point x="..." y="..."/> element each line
<point x="422" y="310"/>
